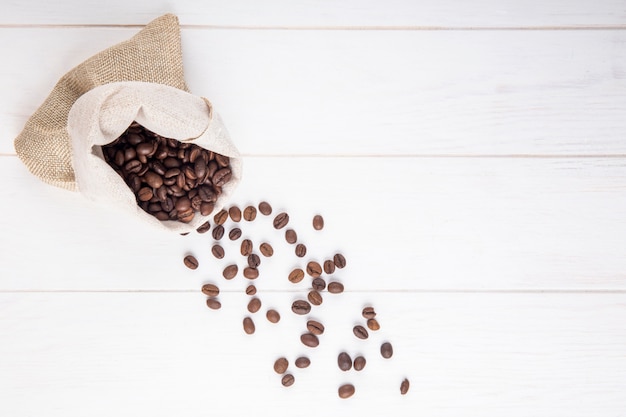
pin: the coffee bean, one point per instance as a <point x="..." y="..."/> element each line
<point x="296" y="275"/>
<point x="291" y="236"/>
<point x="253" y="260"/>
<point x="300" y="250"/>
<point x="315" y="327"/>
<point x="204" y="227"/>
<point x="250" y="290"/>
<point x="217" y="251"/>
<point x="222" y="160"/>
<point x="386" y="350"/>
<point x="218" y="232"/>
<point x="288" y="380"/>
<point x="248" y="325"/>
<point x="309" y="340"/>
<point x="318" y="222"/>
<point x="211" y="290"/>
<point x="360" y="332"/>
<point x="346" y="391"/>
<point x="235" y="214"/>
<point x="301" y="307"/>
<point x="335" y="287"/>
<point x="230" y="271"/>
<point x="220" y="217"/>
<point x="251" y="273"/>
<point x="207" y="194"/>
<point x="314" y="269"/>
<point x="234" y="234"/>
<point x="183" y="204"/>
<point x="315" y="298"/>
<point x="339" y="260"/>
<point x="254" y="305"/>
<point x="368" y="313"/>
<point x="249" y="213"/>
<point x="265" y="208"/>
<point x="222" y="176"/>
<point x="266" y="249"/>
<point x="302" y="362"/>
<point x="246" y="247"/>
<point x="199" y="167"/>
<point x="281" y="220"/>
<point x="145" y="194"/>
<point x="344" y="361"/>
<point x="272" y="316"/>
<point x="329" y="267"/>
<point x="359" y="363"/>
<point x="318" y="284"/>
<point x="281" y="365"/>
<point x="404" y="386"/>
<point x="190" y="262"/>
<point x="372" y="324"/>
<point x="206" y="208"/>
<point x="153" y="179"/>
<point x="213" y="304"/>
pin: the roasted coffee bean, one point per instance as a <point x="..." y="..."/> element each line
<point x="133" y="166"/>
<point x="372" y="324"/>
<point x="145" y="194"/>
<point x="199" y="167"/>
<point x="318" y="222"/>
<point x="301" y="307"/>
<point x="183" y="204"/>
<point x="272" y="316"/>
<point x="130" y="154"/>
<point x="386" y="350"/>
<point x="315" y="327"/>
<point x="288" y="380"/>
<point x="346" y="391"/>
<point x="360" y="332"/>
<point x="318" y="284"/>
<point x="253" y="260"/>
<point x="246" y="247"/>
<point x="207" y="194"/>
<point x="196" y="202"/>
<point x="291" y="236"/>
<point x="300" y="250"/>
<point x="335" y="287"/>
<point x="368" y="313"/>
<point x="222" y="160"/>
<point x="344" y="361"/>
<point x="249" y="213"/>
<point x="265" y="208"/>
<point x="221" y="177"/>
<point x="281" y="220"/>
<point x="302" y="362"/>
<point x="153" y="179"/>
<point x="218" y="232"/>
<point x="329" y="267"/>
<point x="251" y="273"/>
<point x="234" y="234"/>
<point x="190" y="262"/>
<point x="248" y="325"/>
<point x="339" y="260"/>
<point x="266" y="249"/>
<point x="314" y="269"/>
<point x="309" y="340"/>
<point x="250" y="290"/>
<point x="217" y="251"/>
<point x="185" y="216"/>
<point x="359" y="363"/>
<point x="211" y="290"/>
<point x="404" y="386"/>
<point x="254" y="305"/>
<point x="206" y="208"/>
<point x="235" y="214"/>
<point x="213" y="304"/>
<point x="220" y="217"/>
<point x="315" y="298"/>
<point x="230" y="271"/>
<point x="296" y="275"/>
<point x="281" y="365"/>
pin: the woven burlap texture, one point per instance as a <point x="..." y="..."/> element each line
<point x="153" y="55"/>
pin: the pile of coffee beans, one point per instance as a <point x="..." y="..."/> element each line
<point x="319" y="274"/>
<point x="172" y="180"/>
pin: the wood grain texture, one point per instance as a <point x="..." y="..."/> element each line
<point x="369" y="92"/>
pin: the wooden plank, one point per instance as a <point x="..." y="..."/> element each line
<point x="402" y="223"/>
<point x="325" y="13"/>
<point x="164" y="354"/>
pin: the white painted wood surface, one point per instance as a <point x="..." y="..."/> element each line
<point x="475" y="180"/>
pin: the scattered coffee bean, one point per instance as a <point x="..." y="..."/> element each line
<point x="318" y="222"/>
<point x="266" y="249"/>
<point x="253" y="260"/>
<point x="190" y="262"/>
<point x="220" y="218"/>
<point x="303" y="362"/>
<point x="318" y="284"/>
<point x="329" y="267"/>
<point x="291" y="236"/>
<point x="359" y="363"/>
<point x="248" y="325"/>
<point x="213" y="304"/>
<point x="296" y="275"/>
<point x="230" y="271"/>
<point x="281" y="365"/>
<point x="315" y="298"/>
<point x="404" y="386"/>
<point x="301" y="307"/>
<point x="249" y="213"/>
<point x="235" y="214"/>
<point x="254" y="305"/>
<point x="246" y="247"/>
<point x="300" y="250"/>
<point x="211" y="290"/>
<point x="346" y="391"/>
<point x="217" y="251"/>
<point x="369" y="312"/>
<point x="386" y="350"/>
<point x="272" y="316"/>
<point x="281" y="220"/>
<point x="344" y="361"/>
<point x="288" y="380"/>
<point x="315" y="327"/>
<point x="360" y="332"/>
<point x="314" y="269"/>
<point x="218" y="232"/>
<point x="251" y="273"/>
<point x="372" y="324"/>
<point x="204" y="227"/>
<point x="234" y="234"/>
<point x="335" y="287"/>
<point x="250" y="290"/>
<point x="265" y="208"/>
<point x="309" y="340"/>
<point x="339" y="260"/>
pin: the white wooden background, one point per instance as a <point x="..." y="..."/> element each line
<point x="469" y="159"/>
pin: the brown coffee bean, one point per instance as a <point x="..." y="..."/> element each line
<point x="359" y="363"/>
<point x="220" y="217"/>
<point x="291" y="236"/>
<point x="288" y="380"/>
<point x="344" y="361"/>
<point x="300" y="250"/>
<point x="213" y="304"/>
<point x="301" y="307"/>
<point x="272" y="316"/>
<point x="335" y="287"/>
<point x="404" y="386"/>
<point x="281" y="365"/>
<point x="309" y="340"/>
<point x="254" y="305"/>
<point x="211" y="290"/>
<point x="248" y="325"/>
<point x="249" y="213"/>
<point x="368" y="313"/>
<point x="217" y="251"/>
<point x="254" y="260"/>
<point x="302" y="362"/>
<point x="296" y="275"/>
<point x="346" y="391"/>
<point x="318" y="222"/>
<point x="251" y="273"/>
<point x="133" y="166"/>
<point x="314" y="269"/>
<point x="222" y="176"/>
<point x="153" y="179"/>
<point x="230" y="271"/>
<point x="315" y="327"/>
<point x="204" y="227"/>
<point x="200" y="167"/>
<point x="339" y="260"/>
<point x="222" y="160"/>
<point x="218" y="232"/>
<point x="183" y="204"/>
<point x="360" y="332"/>
<point x="318" y="284"/>
<point x="265" y="208"/>
<point x="386" y="350"/>
<point x="315" y="298"/>
<point x="207" y="194"/>
<point x="145" y="194"/>
<point x="329" y="267"/>
<point x="234" y="234"/>
<point x="235" y="214"/>
<point x="281" y="220"/>
<point x="190" y="262"/>
<point x="206" y="208"/>
<point x="246" y="247"/>
<point x="372" y="324"/>
<point x="250" y="290"/>
<point x="266" y="249"/>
